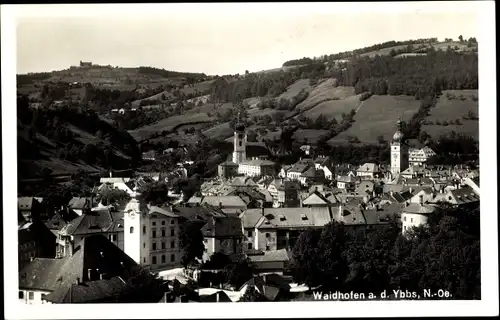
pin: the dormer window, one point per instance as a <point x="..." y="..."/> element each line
<point x="282" y="218"/>
<point x="303" y="217"/>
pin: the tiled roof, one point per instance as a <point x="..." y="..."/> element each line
<point x="272" y="255"/>
<point x="292" y="217"/>
<point x="201" y="213"/>
<point x="368" y="167"/>
<point x="93" y="252"/>
<point x="418" y="209"/>
<point x="163" y="211"/>
<point x="223" y="227"/>
<point x="227" y="201"/>
<point x="465" y="195"/>
<point x="97" y="221"/>
<point x="92" y="291"/>
<point x="228" y="163"/>
<point x="349" y="214"/>
<point x="80" y="203"/>
<point x="258" y="162"/>
<point x="243" y="181"/>
<point x="60" y="219"/>
<point x="194" y="200"/>
<point x="315" y="198"/>
<point x="348" y="179"/>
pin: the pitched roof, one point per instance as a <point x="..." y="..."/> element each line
<point x="292" y="217"/>
<point x="60" y="219"/>
<point x="80" y="203"/>
<point x="349" y="215"/>
<point x="93" y="252"/>
<point x="418" y="209"/>
<point x="271" y="255"/>
<point x="258" y="162"/>
<point x="96" y="221"/>
<point x="201" y="213"/>
<point x="368" y="167"/>
<point x="227" y="201"/>
<point x="222" y="227"/>
<point x="465" y="195"/>
<point x="315" y="198"/>
<point x="92" y="291"/>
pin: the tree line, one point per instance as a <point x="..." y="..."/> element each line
<point x="444" y="255"/>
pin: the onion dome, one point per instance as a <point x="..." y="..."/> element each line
<point x="239" y="127"/>
<point x="398" y="136"/>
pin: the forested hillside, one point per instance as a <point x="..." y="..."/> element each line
<point x="69" y="138"/>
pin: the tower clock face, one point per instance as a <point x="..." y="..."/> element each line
<point x="132" y="214"/>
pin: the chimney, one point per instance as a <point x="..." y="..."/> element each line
<point x="391" y="193"/>
<point x="220" y="205"/>
<point x="89" y="273"/>
<point x="217" y="296"/>
<point x="262" y="210"/>
<point x="110" y="173"/>
<point x="411" y="189"/>
<point x="421" y="200"/>
<point x="97" y="271"/>
<point x="77" y="280"/>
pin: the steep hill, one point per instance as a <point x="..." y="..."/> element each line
<point x="63" y="141"/>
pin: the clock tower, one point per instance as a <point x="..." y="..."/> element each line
<point x="399" y="152"/>
<point x="136" y="233"/>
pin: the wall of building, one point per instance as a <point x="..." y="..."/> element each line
<point x="32" y="296"/>
<point x="266" y="239"/>
<point x="410" y="220"/>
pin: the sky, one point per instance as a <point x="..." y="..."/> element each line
<point x="221" y="38"/>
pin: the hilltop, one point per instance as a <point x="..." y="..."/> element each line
<point x="350" y="98"/>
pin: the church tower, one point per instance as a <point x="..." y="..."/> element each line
<point x="399" y="152"/>
<point x="136" y="233"/>
<point x="240" y="141"/>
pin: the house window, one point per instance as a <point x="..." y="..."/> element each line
<point x="21" y="294"/>
<point x="43" y="296"/>
<point x="154" y="245"/>
<point x="154" y="223"/>
<point x="250" y="246"/>
<point x="240" y="143"/>
<point x="163" y="222"/>
<point x="163" y="259"/>
<point x="172" y="221"/>
<point x="404" y="218"/>
<point x="131" y="229"/>
<point x="162" y="232"/>
<point x="144" y="245"/>
<point x="113" y="237"/>
<point x="154" y="259"/>
<point x="172" y="244"/>
<point x="172" y="258"/>
<point x="268" y="235"/>
<point x="31" y="295"/>
<point x="172" y="232"/>
<point x="250" y="233"/>
<point x="144" y="260"/>
<point x="411" y="220"/>
<point x="143" y="229"/>
<point x="163" y="245"/>
<point x="268" y="248"/>
<point x="154" y="233"/>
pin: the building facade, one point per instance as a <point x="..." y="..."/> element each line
<point x="151" y="235"/>
<point x="399" y="152"/>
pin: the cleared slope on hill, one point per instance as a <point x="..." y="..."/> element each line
<point x="453" y="105"/>
<point x="377" y="117"/>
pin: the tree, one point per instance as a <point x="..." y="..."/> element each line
<point x="191" y="243"/>
<point x="143" y="287"/>
<point x="460" y="38"/>
<point x="239" y="272"/>
<point x="252" y="295"/>
<point x="381" y="139"/>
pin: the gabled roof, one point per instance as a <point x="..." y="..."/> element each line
<point x="243" y="181"/>
<point x="93" y="252"/>
<point x="315" y="198"/>
<point x="78" y="203"/>
<point x="201" y="213"/>
<point x="292" y="217"/>
<point x="60" y="219"/>
<point x="368" y="167"/>
<point x="163" y="211"/>
<point x="349" y="214"/>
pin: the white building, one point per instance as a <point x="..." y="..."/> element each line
<point x="151" y="235"/>
<point x="253" y="168"/>
<point x="368" y="170"/>
<point x="415" y="215"/>
<point x="420" y="156"/>
<point x="240" y="140"/>
<point x="399" y="153"/>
